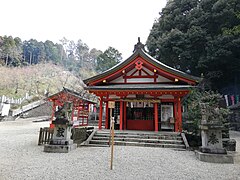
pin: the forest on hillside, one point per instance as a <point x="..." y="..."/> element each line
<point x="40" y="68"/>
<point x="76" y="57"/>
<point x="201" y="37"/>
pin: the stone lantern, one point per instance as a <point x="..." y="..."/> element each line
<point x="211" y="133"/>
<point x="62" y="141"/>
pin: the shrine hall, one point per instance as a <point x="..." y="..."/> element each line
<point x="146" y="92"/>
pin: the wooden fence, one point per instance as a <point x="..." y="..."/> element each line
<point x="11" y="100"/>
<point x="45" y="135"/>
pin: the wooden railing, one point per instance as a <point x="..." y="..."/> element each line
<point x="45" y="135"/>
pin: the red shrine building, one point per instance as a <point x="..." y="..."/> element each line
<point x="80" y="108"/>
<point x="146" y="92"/>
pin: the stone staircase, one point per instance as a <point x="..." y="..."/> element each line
<point x="139" y="138"/>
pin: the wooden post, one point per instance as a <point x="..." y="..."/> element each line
<point x="100" y="114"/>
<point x="156" y="116"/>
<point x="121" y="115"/>
<point x="109" y="142"/>
<point x="112" y="144"/>
<point x="111" y="105"/>
<point x="40" y="137"/>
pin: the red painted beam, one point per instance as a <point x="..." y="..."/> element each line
<point x="140" y="76"/>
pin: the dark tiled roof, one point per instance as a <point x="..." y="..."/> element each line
<point x="140" y="87"/>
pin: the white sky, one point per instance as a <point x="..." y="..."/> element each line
<point x="98" y="23"/>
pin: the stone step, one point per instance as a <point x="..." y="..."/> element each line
<point x="143" y="144"/>
<point x="146" y="140"/>
<point x="170" y="137"/>
<point x="139" y="133"/>
<point x="139" y="138"/>
<point x="97" y="145"/>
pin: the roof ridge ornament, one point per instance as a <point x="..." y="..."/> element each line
<point x="139" y="46"/>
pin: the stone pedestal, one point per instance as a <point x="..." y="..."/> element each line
<point x="61" y="142"/>
<point x="212" y="139"/>
<point x="214" y="158"/>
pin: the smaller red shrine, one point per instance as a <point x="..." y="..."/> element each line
<point x="80" y="109"/>
<point x="147" y="93"/>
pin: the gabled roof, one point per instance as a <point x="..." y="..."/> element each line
<point x="72" y="93"/>
<point x="140" y="52"/>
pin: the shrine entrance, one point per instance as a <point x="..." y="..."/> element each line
<point x="140" y="116"/>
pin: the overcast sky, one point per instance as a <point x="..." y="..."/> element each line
<point x="98" y="23"/>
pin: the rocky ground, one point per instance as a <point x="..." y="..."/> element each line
<point x="21" y="158"/>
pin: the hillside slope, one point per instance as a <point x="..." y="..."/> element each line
<point x="36" y="80"/>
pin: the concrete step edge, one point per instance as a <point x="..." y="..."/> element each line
<point x="141" y="140"/>
<point x="140" y="137"/>
<point x="137" y="144"/>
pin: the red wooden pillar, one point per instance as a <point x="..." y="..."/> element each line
<point x="121" y="115"/>
<point x="106" y="116"/>
<point x="100" y="114"/>
<point x="175" y="116"/>
<point x="179" y="115"/>
<point x="125" y="115"/>
<point x="156" y="116"/>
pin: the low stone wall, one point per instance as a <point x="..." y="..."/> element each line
<point x="44" y="109"/>
<point x="79" y="134"/>
<point x="27" y="108"/>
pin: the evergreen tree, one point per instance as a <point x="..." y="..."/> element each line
<point x="108" y="59"/>
<point x="189" y="35"/>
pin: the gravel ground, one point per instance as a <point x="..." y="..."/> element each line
<point x="21" y="158"/>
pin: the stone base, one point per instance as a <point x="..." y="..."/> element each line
<point x="61" y="142"/>
<point x="59" y="148"/>
<point x="212" y="150"/>
<point x="214" y="158"/>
